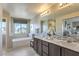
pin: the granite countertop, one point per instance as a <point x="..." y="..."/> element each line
<point x="72" y="45"/>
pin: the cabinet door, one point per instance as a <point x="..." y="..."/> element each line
<point x="45" y="43"/>
<point x="39" y="47"/>
<point x="54" y="50"/>
<point x="68" y="52"/>
<point x="44" y="54"/>
<point x="44" y="48"/>
<point x="35" y="44"/>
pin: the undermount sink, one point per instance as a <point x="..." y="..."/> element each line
<point x="64" y="39"/>
<point x="72" y="40"/>
<point x="68" y="39"/>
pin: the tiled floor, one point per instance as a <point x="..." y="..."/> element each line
<point x="21" y="51"/>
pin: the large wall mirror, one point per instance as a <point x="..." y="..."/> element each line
<point x="71" y="26"/>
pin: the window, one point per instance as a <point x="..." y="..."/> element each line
<point x="3" y="26"/>
<point x="20" y="28"/>
<point x="0" y="26"/>
<point x="20" y="25"/>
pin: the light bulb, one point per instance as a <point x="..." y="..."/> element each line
<point x="61" y="4"/>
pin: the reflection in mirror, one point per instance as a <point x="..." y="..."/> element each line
<point x="52" y="26"/>
<point x="71" y="26"/>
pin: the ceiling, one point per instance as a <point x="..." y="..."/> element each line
<point x="30" y="10"/>
<point x="25" y="10"/>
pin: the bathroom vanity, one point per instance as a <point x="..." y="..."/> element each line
<point x="55" y="47"/>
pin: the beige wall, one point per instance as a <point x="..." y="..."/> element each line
<point x="59" y="21"/>
<point x="0" y="11"/>
<point x="8" y="41"/>
<point x="0" y="31"/>
<point x="37" y="24"/>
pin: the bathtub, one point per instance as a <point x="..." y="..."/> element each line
<point x="18" y="42"/>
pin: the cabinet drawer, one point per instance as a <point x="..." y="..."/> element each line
<point x="45" y="43"/>
<point x="39" y="42"/>
<point x="68" y="52"/>
<point x="44" y="54"/>
<point x="35" y="44"/>
<point x="45" y="49"/>
<point x="39" y="52"/>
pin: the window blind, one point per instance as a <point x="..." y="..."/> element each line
<point x="18" y="20"/>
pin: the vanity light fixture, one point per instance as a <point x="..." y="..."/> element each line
<point x="63" y="5"/>
<point x="45" y="13"/>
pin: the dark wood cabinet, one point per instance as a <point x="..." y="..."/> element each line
<point x="54" y="50"/>
<point x="45" y="48"/>
<point x="45" y="43"/>
<point x="35" y="44"/>
<point x="44" y="54"/>
<point x="39" y="47"/>
<point x="68" y="52"/>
